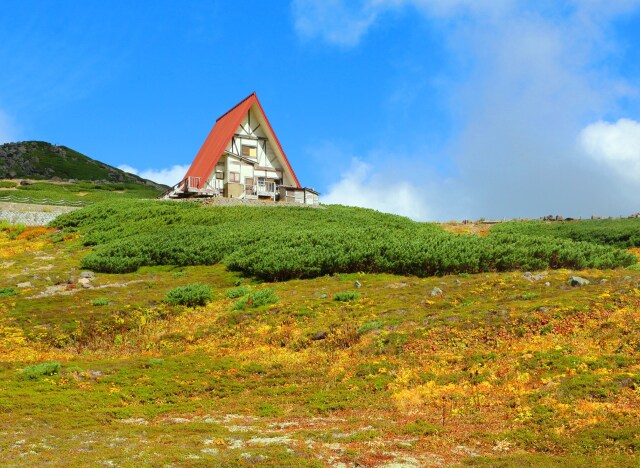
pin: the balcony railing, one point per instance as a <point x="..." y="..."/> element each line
<point x="261" y="189"/>
<point x="266" y="189"/>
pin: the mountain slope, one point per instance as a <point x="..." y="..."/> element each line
<point x="42" y="160"/>
<point x="489" y="369"/>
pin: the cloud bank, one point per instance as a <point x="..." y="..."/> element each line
<point x="167" y="176"/>
<point x="527" y="138"/>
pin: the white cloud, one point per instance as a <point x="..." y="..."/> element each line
<point x="346" y="22"/>
<point x="617" y="145"/>
<point x="7" y="129"/>
<point x="168" y="176"/>
<point x="531" y="77"/>
<point x="361" y="186"/>
<point x="129" y="169"/>
<point x="333" y="20"/>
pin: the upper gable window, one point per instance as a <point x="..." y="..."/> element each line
<point x="249" y="151"/>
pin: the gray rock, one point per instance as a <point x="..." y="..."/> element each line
<point x="321" y="335"/>
<point x="84" y="282"/>
<point x="357" y="284"/>
<point x="547" y="284"/>
<point x="457" y="282"/>
<point x="578" y="281"/>
<point x="87" y="274"/>
<point x="26" y="284"/>
<point x="436" y="292"/>
<point x="604" y="280"/>
<point x="531" y="277"/>
<point x="54" y="289"/>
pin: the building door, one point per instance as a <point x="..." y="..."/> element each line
<point x="248" y="185"/>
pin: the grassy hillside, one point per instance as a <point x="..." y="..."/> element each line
<point x="490" y="369"/>
<point x="81" y="191"/>
<point x="40" y="160"/>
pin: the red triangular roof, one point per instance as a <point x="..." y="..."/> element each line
<point x="220" y="136"/>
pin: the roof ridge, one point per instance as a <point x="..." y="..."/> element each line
<point x="249" y="96"/>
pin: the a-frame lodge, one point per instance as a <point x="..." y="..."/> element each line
<point x="242" y="158"/>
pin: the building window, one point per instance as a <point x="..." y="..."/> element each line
<point x="219" y="175"/>
<point x="249" y="151"/>
<point x="234" y="177"/>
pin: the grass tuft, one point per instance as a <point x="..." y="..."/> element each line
<point x="256" y="299"/>
<point x="237" y="292"/>
<point x="347" y="296"/>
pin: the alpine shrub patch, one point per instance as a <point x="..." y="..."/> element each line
<point x="623" y="233"/>
<point x="191" y="295"/>
<point x="278" y="243"/>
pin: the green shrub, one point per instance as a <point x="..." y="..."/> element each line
<point x="7" y="184"/>
<point x="283" y="242"/>
<point x="257" y="299"/>
<point x="234" y="293"/>
<point x="14" y="230"/>
<point x="194" y="294"/>
<point x="111" y="264"/>
<point x="8" y="292"/>
<point x="347" y="296"/>
<point x="38" y="370"/>
<point x="621" y="233"/>
<point x="100" y="301"/>
<point x="369" y="326"/>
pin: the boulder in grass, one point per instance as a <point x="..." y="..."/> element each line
<point x="321" y="335"/>
<point x="531" y="277"/>
<point x="578" y="281"/>
<point x="436" y="292"/>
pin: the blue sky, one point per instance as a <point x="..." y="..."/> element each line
<point x="429" y="108"/>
